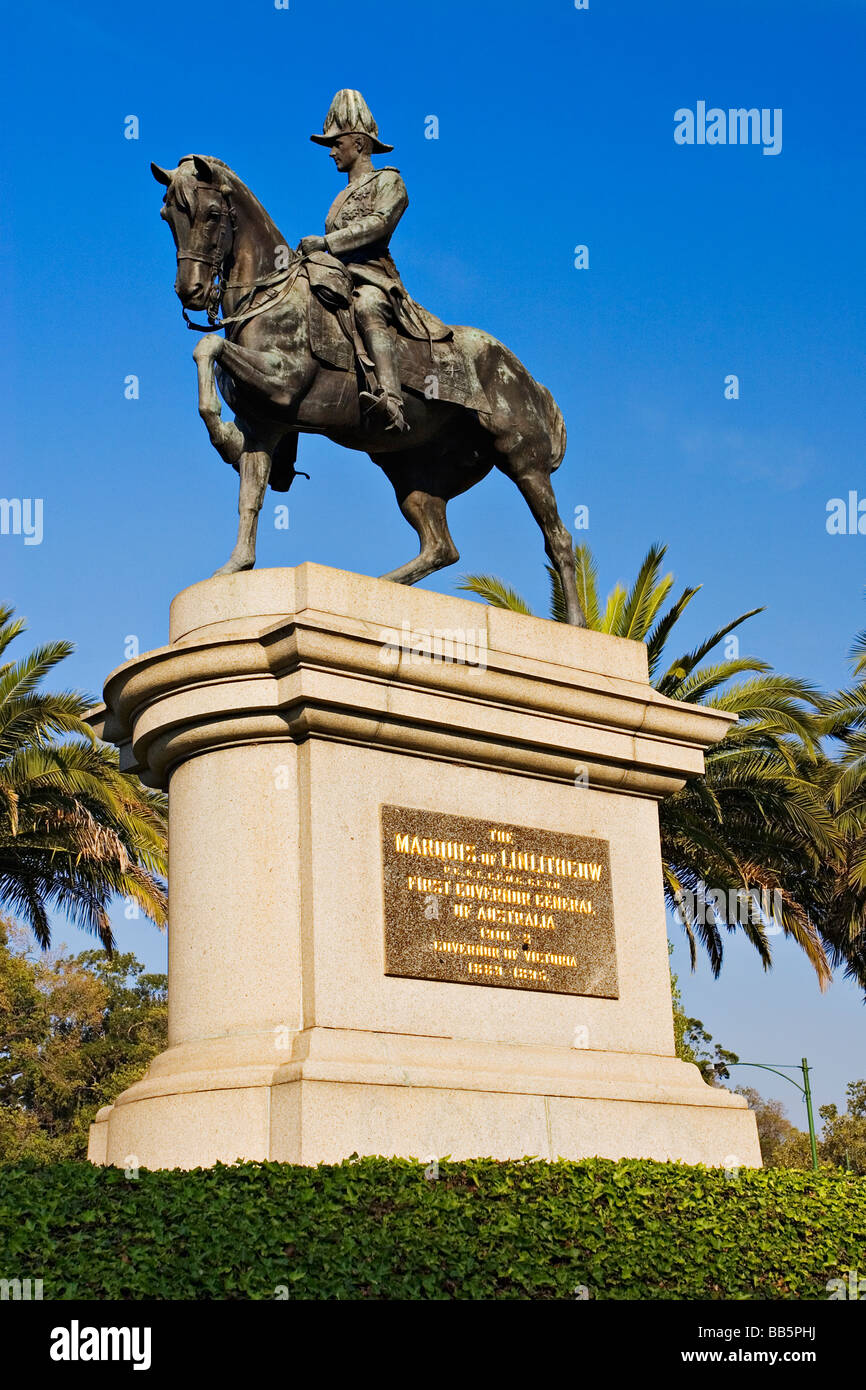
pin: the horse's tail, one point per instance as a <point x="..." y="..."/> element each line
<point x="555" y="428"/>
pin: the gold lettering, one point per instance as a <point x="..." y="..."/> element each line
<point x="436" y="849"/>
<point x="464" y="948"/>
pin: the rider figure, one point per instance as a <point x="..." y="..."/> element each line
<point x="358" y="228"/>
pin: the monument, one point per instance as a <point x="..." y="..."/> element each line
<point x="416" y="898"/>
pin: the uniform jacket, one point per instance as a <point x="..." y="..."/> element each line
<point x="358" y="228"/>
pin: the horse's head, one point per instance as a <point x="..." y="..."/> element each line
<point x="197" y="207"/>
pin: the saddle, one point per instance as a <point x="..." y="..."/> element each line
<point x="433" y="365"/>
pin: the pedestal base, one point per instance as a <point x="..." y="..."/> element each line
<point x="340" y="1092"/>
<point x="289" y="709"/>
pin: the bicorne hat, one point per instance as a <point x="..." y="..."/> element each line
<point x="350" y="115"/>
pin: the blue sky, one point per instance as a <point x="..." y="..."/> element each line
<point x="555" y="129"/>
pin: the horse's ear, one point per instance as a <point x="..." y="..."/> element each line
<point x="202" y="169"/>
<point x="163" y="176"/>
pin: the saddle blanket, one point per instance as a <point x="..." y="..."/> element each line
<point x="438" y="370"/>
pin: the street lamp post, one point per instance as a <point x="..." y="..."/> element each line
<point x="805" y="1090"/>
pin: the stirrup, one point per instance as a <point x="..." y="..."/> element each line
<point x="387" y="403"/>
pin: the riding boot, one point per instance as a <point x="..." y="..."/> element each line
<point x="388" y="400"/>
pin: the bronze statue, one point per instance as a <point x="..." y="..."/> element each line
<point x="358" y="228"/>
<point x="326" y="340"/>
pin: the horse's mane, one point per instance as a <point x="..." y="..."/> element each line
<point x="182" y="197"/>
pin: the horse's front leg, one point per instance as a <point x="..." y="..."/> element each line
<point x="254" y="467"/>
<point x="226" y="438"/>
<point x="269" y="372"/>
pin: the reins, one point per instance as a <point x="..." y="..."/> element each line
<point x="219" y="285"/>
<point x="291" y="275"/>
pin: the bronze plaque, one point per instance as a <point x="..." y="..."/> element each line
<point x="476" y="902"/>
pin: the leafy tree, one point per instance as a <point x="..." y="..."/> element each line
<point x="844" y="1140"/>
<point x="691" y="1041"/>
<point x="681" y="1021"/>
<point x="782" y="1144"/>
<point x="74" y="829"/>
<point x="756" y="822"/>
<point x="74" y="1032"/>
<point x="713" y="1064"/>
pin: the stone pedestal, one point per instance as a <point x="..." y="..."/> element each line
<point x="289" y="707"/>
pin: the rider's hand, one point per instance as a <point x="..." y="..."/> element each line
<point x="308" y="244"/>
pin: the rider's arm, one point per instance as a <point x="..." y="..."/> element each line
<point x="378" y="226"/>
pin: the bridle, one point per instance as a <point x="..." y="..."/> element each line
<point x="228" y="225"/>
<point x="225" y="236"/>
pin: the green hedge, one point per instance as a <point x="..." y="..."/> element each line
<point x="379" y="1228"/>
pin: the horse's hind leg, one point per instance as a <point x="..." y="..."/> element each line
<point x="427" y="514"/>
<point x="533" y="479"/>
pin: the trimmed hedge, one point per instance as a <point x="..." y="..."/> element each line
<point x="379" y="1228"/>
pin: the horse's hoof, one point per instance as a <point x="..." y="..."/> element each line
<point x="233" y="566"/>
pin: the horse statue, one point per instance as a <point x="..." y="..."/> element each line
<point x="291" y="363"/>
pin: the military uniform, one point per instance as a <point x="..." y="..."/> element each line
<point x="358" y="228"/>
<point x="359" y="225"/>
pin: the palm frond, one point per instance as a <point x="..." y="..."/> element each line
<point x="662" y="631"/>
<point x="645" y="596"/>
<point x="586" y="571"/>
<point x="495" y="592"/>
<point x="612" y="617"/>
<point x="75" y="831"/>
<point x="558" y="611"/>
<point x="684" y="665"/>
<point x="858" y="653"/>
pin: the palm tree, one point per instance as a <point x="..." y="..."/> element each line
<point x="840" y="897"/>
<point x="74" y="829"/>
<point x="754" y="824"/>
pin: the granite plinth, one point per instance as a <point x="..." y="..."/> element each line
<point x="287" y="711"/>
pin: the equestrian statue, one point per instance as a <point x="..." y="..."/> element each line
<point x="324" y="339"/>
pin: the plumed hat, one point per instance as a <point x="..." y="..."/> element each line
<point x="350" y="115"/>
